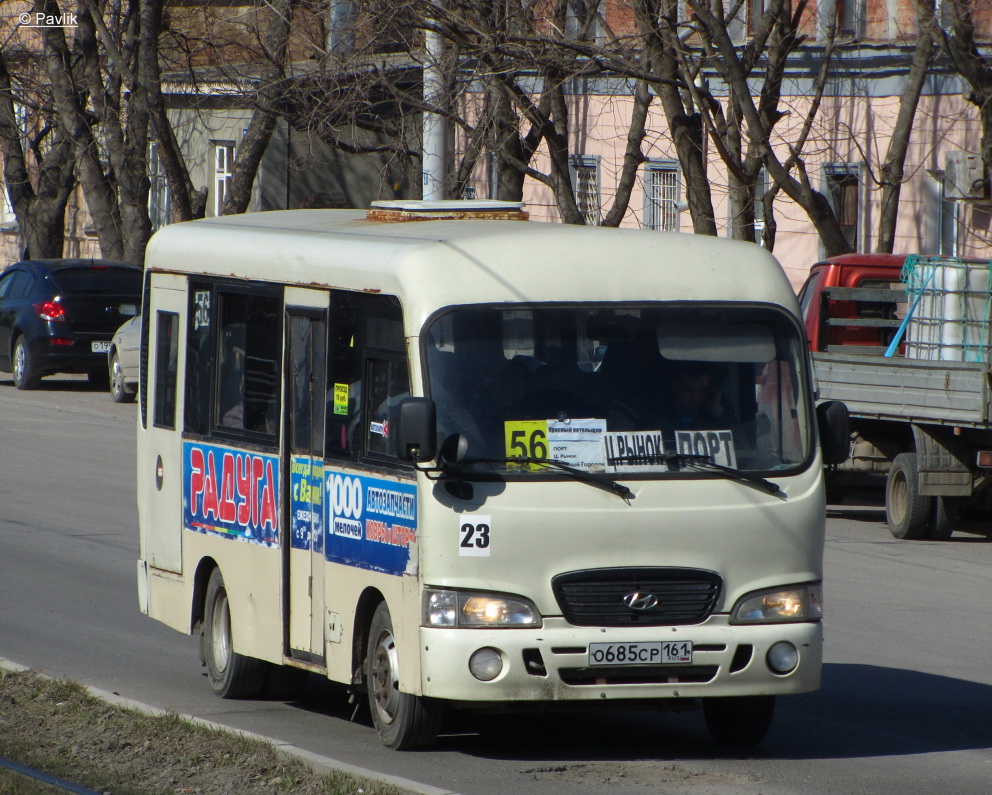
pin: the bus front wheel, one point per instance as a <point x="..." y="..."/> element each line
<point x="739" y="721"/>
<point x="403" y="721"/>
<point x="231" y="675"/>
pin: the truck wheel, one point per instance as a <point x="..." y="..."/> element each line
<point x="907" y="513"/>
<point x="739" y="721"/>
<point x="943" y="518"/>
<point x="231" y="675"/>
<point x="403" y="721"/>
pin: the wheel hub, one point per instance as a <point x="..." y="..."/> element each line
<point x="384" y="682"/>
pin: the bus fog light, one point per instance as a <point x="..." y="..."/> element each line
<point x="783" y="657"/>
<point x="486" y="664"/>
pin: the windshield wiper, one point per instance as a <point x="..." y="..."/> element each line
<point x="582" y="475"/>
<point x="706" y="463"/>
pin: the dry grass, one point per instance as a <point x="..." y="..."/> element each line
<point x="58" y="728"/>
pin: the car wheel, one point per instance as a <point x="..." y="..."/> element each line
<point x="739" y="721"/>
<point x="118" y="390"/>
<point x="231" y="675"/>
<point x="24" y="372"/>
<point x="403" y="721"/>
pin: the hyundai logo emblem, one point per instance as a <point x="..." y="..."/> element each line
<point x="636" y="600"/>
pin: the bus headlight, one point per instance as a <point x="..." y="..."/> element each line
<point x="778" y="605"/>
<point x="470" y="609"/>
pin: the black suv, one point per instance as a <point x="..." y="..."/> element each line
<point x="58" y="316"/>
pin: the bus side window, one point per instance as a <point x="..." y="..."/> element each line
<point x="388" y="384"/>
<point x="233" y="362"/>
<point x="199" y="358"/>
<point x="366" y="375"/>
<point x="344" y="376"/>
<point x="166" y="366"/>
<point x="248" y="358"/>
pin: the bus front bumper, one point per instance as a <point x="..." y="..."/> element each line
<point x="554" y="663"/>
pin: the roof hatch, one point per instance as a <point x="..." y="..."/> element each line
<point x="394" y="211"/>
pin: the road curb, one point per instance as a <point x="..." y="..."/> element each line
<point x="316" y="762"/>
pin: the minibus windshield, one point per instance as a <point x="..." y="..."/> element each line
<point x="621" y="388"/>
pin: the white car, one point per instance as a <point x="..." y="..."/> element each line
<point x="122" y="361"/>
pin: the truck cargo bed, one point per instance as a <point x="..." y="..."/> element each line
<point x="912" y="390"/>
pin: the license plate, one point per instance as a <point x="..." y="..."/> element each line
<point x="656" y="653"/>
<point x="100" y="347"/>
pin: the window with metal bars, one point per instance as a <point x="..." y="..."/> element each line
<point x="585" y="183"/>
<point x="223" y="172"/>
<point x="842" y="190"/>
<point x="661" y="195"/>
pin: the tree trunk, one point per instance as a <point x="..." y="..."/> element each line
<point x="40" y="211"/>
<point x="187" y="202"/>
<point x="891" y="176"/>
<point x="263" y="120"/>
<point x="70" y="99"/>
<point x="685" y="125"/>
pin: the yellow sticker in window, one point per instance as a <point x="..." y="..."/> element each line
<point x="527" y="439"/>
<point x="340" y="398"/>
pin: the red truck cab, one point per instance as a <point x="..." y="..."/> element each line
<point x="836" y="314"/>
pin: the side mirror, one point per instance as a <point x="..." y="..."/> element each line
<point x="834" y="424"/>
<point x="416" y="434"/>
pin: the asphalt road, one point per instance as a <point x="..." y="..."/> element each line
<point x="906" y="705"/>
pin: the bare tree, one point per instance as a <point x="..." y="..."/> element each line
<point x="957" y="40"/>
<point x="37" y="156"/>
<point x="667" y="57"/>
<point x="102" y="112"/>
<point x="891" y="173"/>
<point x="733" y="69"/>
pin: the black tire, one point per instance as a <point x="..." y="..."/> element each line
<point x="739" y="721"/>
<point x="25" y="374"/>
<point x="403" y="721"/>
<point x="119" y="392"/>
<point x="231" y="675"/>
<point x="906" y="511"/>
<point x="943" y="517"/>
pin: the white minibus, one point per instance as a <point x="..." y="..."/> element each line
<point x="455" y="459"/>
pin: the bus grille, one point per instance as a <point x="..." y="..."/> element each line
<point x="639" y="675"/>
<point x="654" y="596"/>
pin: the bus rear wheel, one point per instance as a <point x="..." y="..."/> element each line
<point x="231" y="675"/>
<point x="739" y="721"/>
<point x="403" y="721"/>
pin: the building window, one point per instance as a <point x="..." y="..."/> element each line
<point x="848" y="17"/>
<point x="843" y="193"/>
<point x="661" y="195"/>
<point x="755" y="11"/>
<point x="585" y="183"/>
<point x="223" y="172"/>
<point x="158" y="190"/>
<point x="581" y="22"/>
<point x="6" y="207"/>
<point x="760" y="189"/>
<point x="940" y="219"/>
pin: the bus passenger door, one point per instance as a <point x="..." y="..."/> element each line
<point x="159" y="481"/>
<point x="306" y="335"/>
